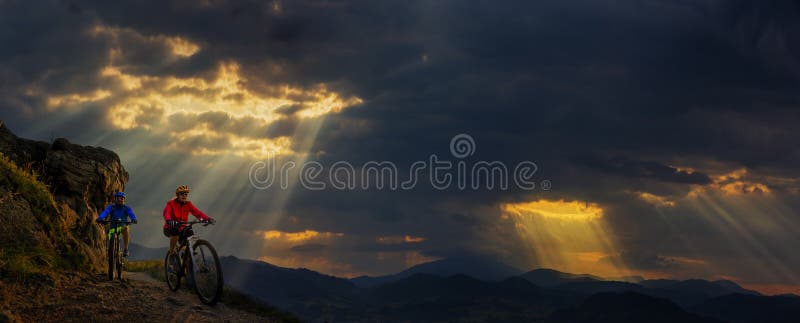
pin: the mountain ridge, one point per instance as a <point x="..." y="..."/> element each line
<point x="478" y="267"/>
<point x="433" y="296"/>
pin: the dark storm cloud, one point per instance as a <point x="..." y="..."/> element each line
<point x="553" y="83"/>
<point x="765" y="28"/>
<point x="649" y="169"/>
<point x="547" y="81"/>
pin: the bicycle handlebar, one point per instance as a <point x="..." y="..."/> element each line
<point x="116" y="222"/>
<point x="190" y="223"/>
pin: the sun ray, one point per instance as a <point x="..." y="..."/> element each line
<point x="570" y="236"/>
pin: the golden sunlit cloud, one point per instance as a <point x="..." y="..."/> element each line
<point x="569" y="236"/>
<point x="576" y="211"/>
<point x="736" y="182"/>
<point x="128" y="82"/>
<point x="226" y="92"/>
<point x="182" y="47"/>
<point x="73" y="99"/>
<point x="399" y="239"/>
<point x="139" y="101"/>
<point x="655" y="200"/>
<point x="301" y="236"/>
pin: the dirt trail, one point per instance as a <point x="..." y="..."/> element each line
<point x="138" y="298"/>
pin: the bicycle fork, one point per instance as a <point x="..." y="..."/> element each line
<point x="197" y="258"/>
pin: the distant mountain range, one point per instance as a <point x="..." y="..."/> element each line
<point x="627" y="307"/>
<point x="480" y="268"/>
<point x="743" y="308"/>
<point x="287" y="288"/>
<point x="140" y="252"/>
<point x="549" y="277"/>
<point x="474" y="289"/>
<point x="479" y="289"/>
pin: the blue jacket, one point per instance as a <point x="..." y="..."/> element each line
<point x="117" y="212"/>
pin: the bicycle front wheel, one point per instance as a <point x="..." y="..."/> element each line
<point x="120" y="263"/>
<point x="207" y="272"/>
<point x="112" y="252"/>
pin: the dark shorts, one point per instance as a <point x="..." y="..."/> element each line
<point x="176" y="231"/>
<point x="169" y="232"/>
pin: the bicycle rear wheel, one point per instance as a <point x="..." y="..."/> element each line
<point x="206" y="272"/>
<point x="172" y="267"/>
<point x="112" y="252"/>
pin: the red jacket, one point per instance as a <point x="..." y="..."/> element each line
<point x="177" y="211"/>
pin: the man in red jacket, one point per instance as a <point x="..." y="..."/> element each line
<point x="177" y="211"/>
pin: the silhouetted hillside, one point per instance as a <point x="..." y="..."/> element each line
<point x="481" y="268"/>
<point x="626" y="307"/>
<point x="140" y="252"/>
<point x="593" y="287"/>
<point x="560" y="297"/>
<point x="549" y="277"/>
<point x="690" y="292"/>
<point x="291" y="289"/>
<point x="747" y="308"/>
<point x="423" y="297"/>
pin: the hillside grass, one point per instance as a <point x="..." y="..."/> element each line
<point x="230" y="297"/>
<point x="28" y="263"/>
<point x="26" y="183"/>
<point x="25" y="261"/>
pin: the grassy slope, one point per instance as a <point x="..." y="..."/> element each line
<point x="26" y="260"/>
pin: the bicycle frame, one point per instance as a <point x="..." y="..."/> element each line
<point x="190" y="242"/>
<point x="113" y="235"/>
<point x="190" y="256"/>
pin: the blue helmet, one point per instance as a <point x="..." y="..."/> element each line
<point x="119" y="194"/>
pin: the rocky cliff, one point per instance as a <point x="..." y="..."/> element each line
<point x="50" y="194"/>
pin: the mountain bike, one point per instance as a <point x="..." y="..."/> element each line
<point x="116" y="259"/>
<point x="196" y="259"/>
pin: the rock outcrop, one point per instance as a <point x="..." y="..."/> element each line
<point x="81" y="180"/>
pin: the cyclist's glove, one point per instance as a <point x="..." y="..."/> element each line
<point x="134" y="221"/>
<point x="211" y="220"/>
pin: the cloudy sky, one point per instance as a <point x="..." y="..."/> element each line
<point x="668" y="129"/>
